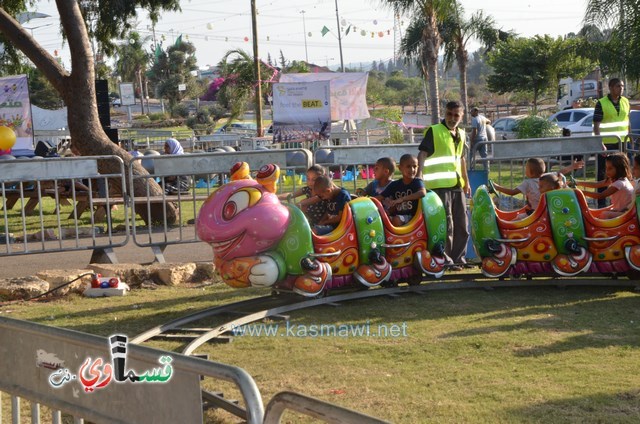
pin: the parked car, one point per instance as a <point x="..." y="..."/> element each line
<point x="116" y="102"/>
<point x="634" y="119"/>
<point x="570" y="116"/>
<point x="505" y="128"/>
<point x="583" y="127"/>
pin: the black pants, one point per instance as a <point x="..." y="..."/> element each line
<point x="601" y="172"/>
<point x="455" y="205"/>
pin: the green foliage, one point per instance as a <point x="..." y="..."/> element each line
<point x="612" y="28"/>
<point x="180" y="110"/>
<point x="111" y="19"/>
<point x="239" y="87"/>
<point x="204" y="122"/>
<point x="172" y="68"/>
<point x="533" y="65"/>
<point x="41" y="92"/>
<point x="157" y="116"/>
<point x="534" y="126"/>
<point x="390" y="116"/>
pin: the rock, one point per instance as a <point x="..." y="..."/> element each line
<point x="205" y="271"/>
<point x="174" y="274"/>
<point x="59" y="277"/>
<point x="148" y="284"/>
<point x="22" y="288"/>
<point x="132" y="274"/>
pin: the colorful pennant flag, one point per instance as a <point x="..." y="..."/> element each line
<point x="324" y="31"/>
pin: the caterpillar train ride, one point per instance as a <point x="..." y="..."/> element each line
<point x="258" y="241"/>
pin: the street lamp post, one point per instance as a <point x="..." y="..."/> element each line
<point x="339" y="38"/>
<point x="304" y="28"/>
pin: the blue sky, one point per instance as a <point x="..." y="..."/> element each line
<point x="216" y="26"/>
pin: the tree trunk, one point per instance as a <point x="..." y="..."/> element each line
<point x="433" y="89"/>
<point x="431" y="45"/>
<point x="78" y="91"/>
<point x="462" y="66"/>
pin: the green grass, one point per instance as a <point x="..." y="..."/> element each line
<point x="509" y="355"/>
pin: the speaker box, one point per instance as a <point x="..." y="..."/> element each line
<point x="102" y="98"/>
<point x="112" y="133"/>
<point x="46" y="149"/>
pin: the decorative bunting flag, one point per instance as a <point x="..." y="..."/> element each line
<point x="324" y="31"/>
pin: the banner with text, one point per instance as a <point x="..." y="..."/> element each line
<point x="348" y="92"/>
<point x="15" y="110"/>
<point x="301" y="112"/>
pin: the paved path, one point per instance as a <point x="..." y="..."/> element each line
<point x="24" y="265"/>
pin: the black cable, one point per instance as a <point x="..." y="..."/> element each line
<point x="59" y="287"/>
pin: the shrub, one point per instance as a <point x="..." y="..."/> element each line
<point x="534" y="126"/>
<point x="180" y="110"/>
<point x="157" y="116"/>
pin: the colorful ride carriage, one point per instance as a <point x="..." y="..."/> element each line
<point x="563" y="236"/>
<point x="258" y="241"/>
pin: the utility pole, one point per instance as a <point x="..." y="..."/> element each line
<point x="339" y="38"/>
<point x="304" y="28"/>
<point x="256" y="63"/>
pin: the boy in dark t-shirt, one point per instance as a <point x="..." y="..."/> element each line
<point x="383" y="173"/>
<point x="400" y="198"/>
<point x="336" y="198"/>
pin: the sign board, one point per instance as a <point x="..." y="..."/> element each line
<point x="127" y="94"/>
<point x="15" y="110"/>
<point x="182" y="87"/>
<point x="301" y="111"/>
<point x="348" y="92"/>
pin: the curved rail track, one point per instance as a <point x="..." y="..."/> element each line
<point x="277" y="305"/>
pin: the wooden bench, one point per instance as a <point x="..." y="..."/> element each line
<point x="13" y="196"/>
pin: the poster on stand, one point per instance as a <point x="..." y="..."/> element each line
<point x="301" y="112"/>
<point x="15" y="110"/>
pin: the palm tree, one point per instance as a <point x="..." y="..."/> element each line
<point x="456" y="32"/>
<point x="620" y="18"/>
<point x="426" y="17"/>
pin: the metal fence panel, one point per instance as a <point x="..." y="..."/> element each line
<point x="48" y="205"/>
<point x="30" y="353"/>
<point x="49" y="169"/>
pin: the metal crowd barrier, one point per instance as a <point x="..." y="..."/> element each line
<point x="187" y="180"/>
<point x="505" y="164"/>
<point x="30" y="353"/>
<point x="353" y="163"/>
<point x="48" y="206"/>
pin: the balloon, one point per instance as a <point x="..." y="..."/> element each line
<point x="7" y="138"/>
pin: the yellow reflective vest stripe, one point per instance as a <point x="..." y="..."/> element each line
<point x="443" y="168"/>
<point x="614" y="122"/>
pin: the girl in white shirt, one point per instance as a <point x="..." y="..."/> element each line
<point x="619" y="188"/>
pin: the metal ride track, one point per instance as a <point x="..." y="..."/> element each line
<point x="275" y="305"/>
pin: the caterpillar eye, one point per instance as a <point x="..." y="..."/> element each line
<point x="240" y="201"/>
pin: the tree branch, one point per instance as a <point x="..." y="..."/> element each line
<point x="15" y="33"/>
<point x="76" y="32"/>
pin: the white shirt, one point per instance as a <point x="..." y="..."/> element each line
<point x="529" y="187"/>
<point x="621" y="199"/>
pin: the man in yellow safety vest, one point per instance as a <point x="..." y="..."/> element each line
<point x="611" y="118"/>
<point x="442" y="166"/>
